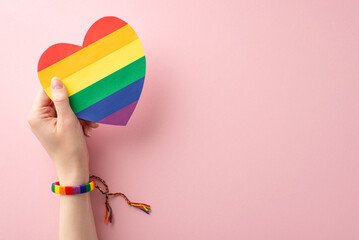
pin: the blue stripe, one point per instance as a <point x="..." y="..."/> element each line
<point x="113" y="103"/>
<point x="83" y="188"/>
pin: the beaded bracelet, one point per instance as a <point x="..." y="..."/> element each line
<point x="71" y="190"/>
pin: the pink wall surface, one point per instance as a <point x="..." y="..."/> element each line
<point x="247" y="128"/>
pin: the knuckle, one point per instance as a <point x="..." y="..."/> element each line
<point x="59" y="98"/>
<point x="30" y="120"/>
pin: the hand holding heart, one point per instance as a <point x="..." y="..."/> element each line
<point x="62" y="134"/>
<point x="104" y="77"/>
<point x="101" y="81"/>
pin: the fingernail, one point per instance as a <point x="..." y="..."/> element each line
<point x="56" y="83"/>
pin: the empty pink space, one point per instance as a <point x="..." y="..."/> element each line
<point x="247" y="126"/>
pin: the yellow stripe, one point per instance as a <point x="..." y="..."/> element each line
<point x="88" y="55"/>
<point x="57" y="189"/>
<point x="102" y="68"/>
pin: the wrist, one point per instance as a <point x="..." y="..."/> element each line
<point x="73" y="176"/>
<point x="73" y="179"/>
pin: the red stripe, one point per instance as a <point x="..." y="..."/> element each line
<point x="69" y="190"/>
<point x="98" y="30"/>
<point x="56" y="53"/>
<point x="102" y="28"/>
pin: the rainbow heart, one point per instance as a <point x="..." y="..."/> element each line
<point x="104" y="77"/>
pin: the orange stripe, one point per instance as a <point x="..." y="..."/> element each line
<point x="88" y="55"/>
<point x="62" y="190"/>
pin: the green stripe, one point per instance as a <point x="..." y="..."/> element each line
<point x="88" y="188"/>
<point x="108" y="85"/>
<point x="53" y="187"/>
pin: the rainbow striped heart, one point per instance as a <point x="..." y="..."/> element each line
<point x="104" y="77"/>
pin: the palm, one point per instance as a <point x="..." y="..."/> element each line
<point x="48" y="112"/>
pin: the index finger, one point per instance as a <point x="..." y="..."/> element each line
<point x="42" y="100"/>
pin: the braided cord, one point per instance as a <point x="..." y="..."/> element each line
<point x="109" y="214"/>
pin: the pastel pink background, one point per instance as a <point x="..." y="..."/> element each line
<point x="247" y="128"/>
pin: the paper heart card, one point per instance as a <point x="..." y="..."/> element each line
<point x="104" y="77"/>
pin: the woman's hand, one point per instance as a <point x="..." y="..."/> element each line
<point x="62" y="134"/>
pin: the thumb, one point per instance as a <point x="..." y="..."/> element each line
<point x="60" y="98"/>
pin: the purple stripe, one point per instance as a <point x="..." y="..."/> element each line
<point x="120" y="117"/>
<point x="76" y="189"/>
